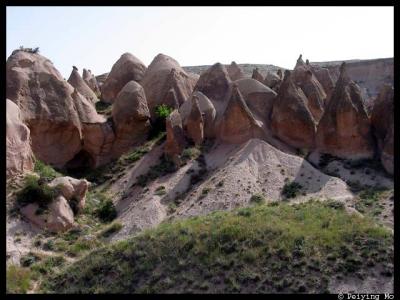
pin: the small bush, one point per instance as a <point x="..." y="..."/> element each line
<point x="34" y="191"/>
<point x="110" y="230"/>
<point x="291" y="190"/>
<point x="29" y="259"/>
<point x="190" y="153"/>
<point x="103" y="107"/>
<point x="162" y="111"/>
<point x="160" y="191"/>
<point x="257" y="198"/>
<point x="106" y="212"/>
<point x="45" y="171"/>
<point x="18" y="280"/>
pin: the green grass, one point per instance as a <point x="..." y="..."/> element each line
<point x="45" y="171"/>
<point x="369" y="201"/>
<point x="34" y="191"/>
<point x="110" y="230"/>
<point x="190" y="153"/>
<point x="18" y="280"/>
<point x="247" y="250"/>
<point x="257" y="199"/>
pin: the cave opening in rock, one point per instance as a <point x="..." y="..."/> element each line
<point x="80" y="164"/>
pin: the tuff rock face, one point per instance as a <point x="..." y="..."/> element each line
<point x="273" y="80"/>
<point x="214" y="82"/>
<point x="207" y="110"/>
<point x="19" y="156"/>
<point x="195" y="123"/>
<point x="91" y="81"/>
<point x="127" y="68"/>
<point x="304" y="78"/>
<point x="344" y="129"/>
<point x="100" y="79"/>
<point x="131" y="118"/>
<point x="382" y="121"/>
<point x="80" y="85"/>
<point x="259" y="98"/>
<point x="176" y="141"/>
<point x="48" y="106"/>
<point x="257" y="75"/>
<point x="325" y="79"/>
<point x="235" y="72"/>
<point x="291" y="119"/>
<point x="238" y="125"/>
<point x="165" y="82"/>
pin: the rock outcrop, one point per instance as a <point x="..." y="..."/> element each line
<point x="273" y="81"/>
<point x="91" y="81"/>
<point x="207" y="110"/>
<point x="305" y="79"/>
<point x="80" y="85"/>
<point x="131" y="118"/>
<point x="235" y="72"/>
<point x="195" y="123"/>
<point x="325" y="79"/>
<point x="291" y="120"/>
<point x="127" y="68"/>
<point x="100" y="79"/>
<point x="19" y="156"/>
<point x="257" y="75"/>
<point x="344" y="129"/>
<point x="238" y="125"/>
<point x="48" y="106"/>
<point x="382" y="121"/>
<point x="214" y="82"/>
<point x="176" y="141"/>
<point x="165" y="82"/>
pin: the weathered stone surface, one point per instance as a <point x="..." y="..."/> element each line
<point x="100" y="79"/>
<point x="91" y="81"/>
<point x="273" y="81"/>
<point x="238" y="124"/>
<point x="304" y="78"/>
<point x="257" y="75"/>
<point x="165" y="82"/>
<point x="80" y="85"/>
<point x="48" y="106"/>
<point x="175" y="137"/>
<point x="325" y="79"/>
<point x="291" y="119"/>
<point x="344" y="130"/>
<point x="382" y="121"/>
<point x="214" y="82"/>
<point x="207" y="109"/>
<point x="259" y="98"/>
<point x="195" y="123"/>
<point x="127" y="68"/>
<point x="19" y="156"/>
<point x="235" y="72"/>
<point x="131" y="118"/>
<point x="58" y="216"/>
<point x="73" y="190"/>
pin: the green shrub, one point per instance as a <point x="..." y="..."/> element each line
<point x="45" y="171"/>
<point x="257" y="198"/>
<point x="106" y="211"/>
<point x="291" y="190"/>
<point x="162" y="111"/>
<point x="190" y="153"/>
<point x="103" y="107"/>
<point x="160" y="191"/>
<point x="34" y="191"/>
<point x="18" y="280"/>
<point x="29" y="259"/>
<point x="110" y="230"/>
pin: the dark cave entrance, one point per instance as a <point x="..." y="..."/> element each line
<point x="80" y="164"/>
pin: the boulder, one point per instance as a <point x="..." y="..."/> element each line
<point x="304" y="78"/>
<point x="259" y="98"/>
<point x="291" y="120"/>
<point x="91" y="81"/>
<point x="165" y="82"/>
<point x="238" y="125"/>
<point x="57" y="217"/>
<point x="47" y="106"/>
<point x="73" y="190"/>
<point x="207" y="110"/>
<point x="19" y="156"/>
<point x="214" y="83"/>
<point x="235" y="72"/>
<point x="176" y="141"/>
<point x="131" y="118"/>
<point x="382" y="121"/>
<point x="127" y="68"/>
<point x="257" y="75"/>
<point x="80" y="85"/>
<point x="344" y="129"/>
<point x="195" y="124"/>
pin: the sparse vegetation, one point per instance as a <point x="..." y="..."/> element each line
<point x="160" y="191"/>
<point x="18" y="280"/>
<point x="164" y="167"/>
<point x="190" y="153"/>
<point x="45" y="171"/>
<point x="162" y="111"/>
<point x="103" y="108"/>
<point x="113" y="228"/>
<point x="291" y="190"/>
<point x="35" y="191"/>
<point x="106" y="211"/>
<point x="246" y="250"/>
<point x="257" y="199"/>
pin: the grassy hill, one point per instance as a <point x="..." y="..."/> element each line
<point x="263" y="248"/>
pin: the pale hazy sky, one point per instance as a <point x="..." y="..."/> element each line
<point x="95" y="37"/>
